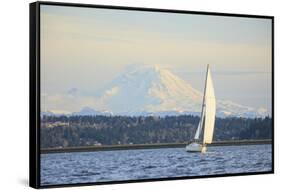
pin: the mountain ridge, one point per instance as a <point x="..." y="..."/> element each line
<point x="151" y="90"/>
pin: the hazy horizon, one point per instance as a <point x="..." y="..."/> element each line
<point x="84" y="49"/>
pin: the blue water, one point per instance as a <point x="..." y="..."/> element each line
<point x="68" y="168"/>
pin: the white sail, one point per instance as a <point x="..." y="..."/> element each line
<point x="207" y="120"/>
<point x="210" y="109"/>
<point x="200" y="126"/>
<point x="198" y="131"/>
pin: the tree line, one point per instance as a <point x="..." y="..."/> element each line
<point x="71" y="131"/>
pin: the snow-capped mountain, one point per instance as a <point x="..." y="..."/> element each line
<point x="150" y="90"/>
<point x="89" y="111"/>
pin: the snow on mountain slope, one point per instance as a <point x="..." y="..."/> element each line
<point x="152" y="90"/>
<point x="89" y="111"/>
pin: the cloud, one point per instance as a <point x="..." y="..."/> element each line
<point x="112" y="91"/>
<point x="68" y="103"/>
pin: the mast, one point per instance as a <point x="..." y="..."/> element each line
<point x="199" y="129"/>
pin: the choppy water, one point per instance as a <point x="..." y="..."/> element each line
<point x="67" y="168"/>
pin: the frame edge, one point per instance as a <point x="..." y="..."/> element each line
<point x="34" y="145"/>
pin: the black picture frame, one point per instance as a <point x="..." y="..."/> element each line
<point x="34" y="93"/>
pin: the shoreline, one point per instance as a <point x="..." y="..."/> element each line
<point x="148" y="146"/>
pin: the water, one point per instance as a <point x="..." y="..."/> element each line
<point x="68" y="168"/>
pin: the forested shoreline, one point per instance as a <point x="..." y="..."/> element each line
<point x="72" y="131"/>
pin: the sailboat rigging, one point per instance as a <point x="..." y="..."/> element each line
<point x="205" y="129"/>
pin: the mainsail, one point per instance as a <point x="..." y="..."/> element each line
<point x="210" y="110"/>
<point x="208" y="114"/>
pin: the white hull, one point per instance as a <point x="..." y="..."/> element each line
<point x="195" y="147"/>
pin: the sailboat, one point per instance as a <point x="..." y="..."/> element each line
<point x="205" y="129"/>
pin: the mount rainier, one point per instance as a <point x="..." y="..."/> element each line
<point x="151" y="90"/>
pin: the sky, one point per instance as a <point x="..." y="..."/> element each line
<point x="82" y="49"/>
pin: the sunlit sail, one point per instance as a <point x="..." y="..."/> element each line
<point x="205" y="129"/>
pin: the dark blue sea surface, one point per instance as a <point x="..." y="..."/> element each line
<point x="69" y="168"/>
